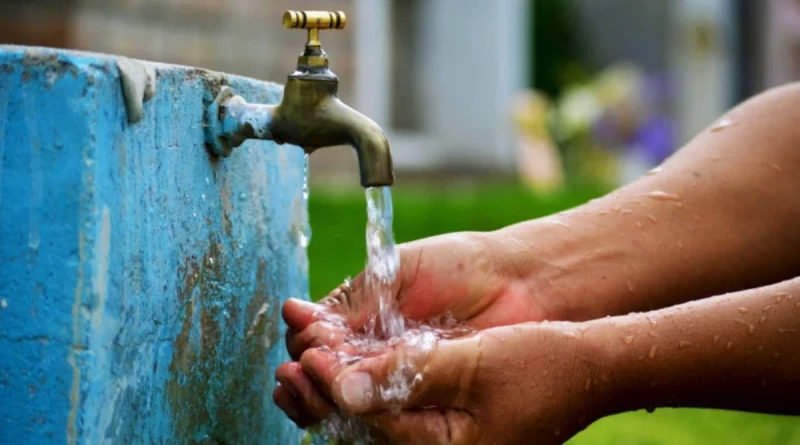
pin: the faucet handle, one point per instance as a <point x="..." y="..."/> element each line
<point x="314" y="20"/>
<point x="314" y="58"/>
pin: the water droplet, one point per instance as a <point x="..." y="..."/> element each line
<point x="776" y="167"/>
<point x="680" y="245"/>
<point x="588" y="384"/>
<point x="639" y="225"/>
<point x="762" y="319"/>
<point x="208" y="181"/>
<point x="743" y="310"/>
<point x="626" y="212"/>
<point x="603" y="212"/>
<point x="741" y="322"/>
<point x="211" y="260"/>
<point x="203" y="195"/>
<point x="652" y="322"/>
<point x="696" y="217"/>
<point x="571" y="335"/>
<point x="653" y="218"/>
<point x="616" y="209"/>
<point x="659" y="195"/>
<point x="194" y="214"/>
<point x="630" y="288"/>
<point x="729" y="345"/>
<point x="751" y="328"/>
<point x="3" y="303"/>
<point x="652" y="334"/>
<point x="653" y="350"/>
<point x="628" y="340"/>
<point x="721" y="124"/>
<point x="715" y="158"/>
<point x="797" y="304"/>
<point x="716" y="338"/>
<point x="789" y="297"/>
<point x="654" y="171"/>
<point x="684" y="344"/>
<point x="767" y="308"/>
<point x="786" y="330"/>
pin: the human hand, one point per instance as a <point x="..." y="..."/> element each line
<point x="531" y="383"/>
<point x="468" y="276"/>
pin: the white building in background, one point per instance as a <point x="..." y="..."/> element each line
<point x="439" y="77"/>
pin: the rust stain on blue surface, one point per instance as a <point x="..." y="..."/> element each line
<point x="142" y="277"/>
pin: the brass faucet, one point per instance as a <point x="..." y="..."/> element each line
<point x="310" y="115"/>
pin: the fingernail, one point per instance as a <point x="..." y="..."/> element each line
<point x="356" y="390"/>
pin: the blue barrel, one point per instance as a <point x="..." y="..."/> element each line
<point x="141" y="278"/>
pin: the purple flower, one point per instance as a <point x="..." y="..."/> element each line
<point x="654" y="139"/>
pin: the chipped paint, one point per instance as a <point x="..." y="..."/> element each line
<point x="100" y="282"/>
<point x="74" y="395"/>
<point x="145" y="314"/>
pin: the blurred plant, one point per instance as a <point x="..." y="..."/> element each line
<point x="610" y="129"/>
<point x="538" y="160"/>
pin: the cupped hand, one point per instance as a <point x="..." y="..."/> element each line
<point x="531" y="383"/>
<point x="467" y="276"/>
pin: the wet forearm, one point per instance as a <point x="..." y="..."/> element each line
<point x="738" y="351"/>
<point x="720" y="215"/>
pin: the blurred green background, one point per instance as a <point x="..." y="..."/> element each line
<point x="337" y="250"/>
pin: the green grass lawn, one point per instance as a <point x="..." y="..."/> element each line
<point x="338" y="250"/>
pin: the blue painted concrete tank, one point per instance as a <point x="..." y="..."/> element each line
<point x="142" y="278"/>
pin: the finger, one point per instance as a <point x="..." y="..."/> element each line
<point x="348" y="300"/>
<point x="308" y="399"/>
<point x="409" y="376"/>
<point x="354" y="299"/>
<point x="426" y="427"/>
<point x="320" y="333"/>
<point x="299" y="314"/>
<point x="289" y="405"/>
<point x="321" y="366"/>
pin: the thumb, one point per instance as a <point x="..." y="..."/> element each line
<point x="410" y="376"/>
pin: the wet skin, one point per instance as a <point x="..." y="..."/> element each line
<point x="720" y="216"/>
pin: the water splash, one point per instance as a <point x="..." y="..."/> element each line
<point x="387" y="329"/>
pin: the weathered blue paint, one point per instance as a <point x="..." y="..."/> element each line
<point x="141" y="278"/>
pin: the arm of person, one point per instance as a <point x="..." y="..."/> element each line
<point x="737" y="351"/>
<point x="547" y="381"/>
<point x="720" y="215"/>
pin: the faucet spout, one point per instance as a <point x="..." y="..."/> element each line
<point x="369" y="141"/>
<point x="310" y="114"/>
